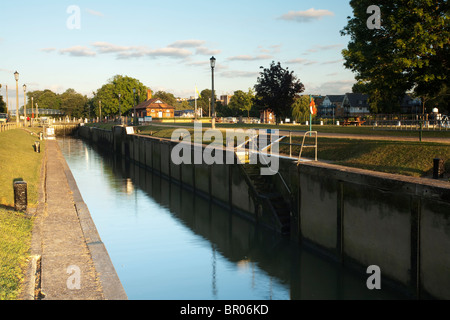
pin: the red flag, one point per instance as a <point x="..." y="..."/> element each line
<point x="312" y="107"/>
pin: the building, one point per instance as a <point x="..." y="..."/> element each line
<point x="356" y="105"/>
<point x="225" y="99"/>
<point x="155" y="108"/>
<point x="267" y="116"/>
<point x="410" y="104"/>
<point x="332" y="106"/>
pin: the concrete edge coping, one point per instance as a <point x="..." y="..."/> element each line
<point x="426" y="182"/>
<point x="112" y="287"/>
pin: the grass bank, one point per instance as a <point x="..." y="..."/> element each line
<point x="18" y="161"/>
<point x="400" y="157"/>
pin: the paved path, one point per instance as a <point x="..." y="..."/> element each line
<point x="74" y="262"/>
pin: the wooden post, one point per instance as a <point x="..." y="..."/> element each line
<point x="20" y="196"/>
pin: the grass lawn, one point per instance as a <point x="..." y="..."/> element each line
<point x="363" y="130"/>
<point x="15" y="239"/>
<point x="18" y="161"/>
<point x="406" y="158"/>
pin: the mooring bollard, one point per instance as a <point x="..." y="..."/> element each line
<point x="20" y="196"/>
<point x="438" y="168"/>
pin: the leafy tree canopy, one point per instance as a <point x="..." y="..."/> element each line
<point x="300" y="109"/>
<point x="242" y="101"/>
<point x="277" y="89"/>
<point x="108" y="94"/>
<point x="409" y="52"/>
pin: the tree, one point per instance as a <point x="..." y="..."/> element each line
<point x="167" y="97"/>
<point x="300" y="109"/>
<point x="73" y="104"/>
<point x="242" y="101"/>
<point x="2" y="105"/>
<point x="276" y="89"/>
<point x="410" y="51"/>
<point x="204" y="101"/>
<point x="108" y="94"/>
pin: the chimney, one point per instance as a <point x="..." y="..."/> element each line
<point x="149" y="94"/>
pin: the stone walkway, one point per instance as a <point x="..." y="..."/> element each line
<point x="74" y="263"/>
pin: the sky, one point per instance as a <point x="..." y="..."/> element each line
<point x="58" y="44"/>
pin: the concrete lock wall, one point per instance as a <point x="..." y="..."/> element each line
<point x="359" y="217"/>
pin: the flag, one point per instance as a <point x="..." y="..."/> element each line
<point x="312" y="107"/>
<point x="198" y="93"/>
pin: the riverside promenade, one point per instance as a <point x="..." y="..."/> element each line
<point x="69" y="260"/>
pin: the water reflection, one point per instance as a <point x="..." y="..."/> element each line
<point x="168" y="243"/>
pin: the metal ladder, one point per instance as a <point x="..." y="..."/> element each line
<point x="303" y="145"/>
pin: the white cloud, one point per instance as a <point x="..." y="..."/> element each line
<point x="333" y="61"/>
<point x="105" y="47"/>
<point x="160" y="52"/>
<point x="95" y="13"/>
<point x="271" y="49"/>
<point x="306" y="16"/>
<point x="7" y="71"/>
<point x="206" y="51"/>
<point x="249" y="58"/>
<point x="304" y="62"/>
<point x="78" y="51"/>
<point x="187" y="43"/>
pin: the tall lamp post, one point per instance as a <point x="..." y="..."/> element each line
<point x="134" y="107"/>
<point x="213" y="120"/>
<point x="120" y="111"/>
<point x="7" y="103"/>
<point x="25" y="105"/>
<point x="16" y="76"/>
<point x="32" y="111"/>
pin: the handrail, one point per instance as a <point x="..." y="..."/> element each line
<point x="308" y="146"/>
<point x="263" y="158"/>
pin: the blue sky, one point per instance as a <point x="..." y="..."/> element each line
<point x="167" y="44"/>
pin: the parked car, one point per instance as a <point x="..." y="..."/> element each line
<point x="3" y="117"/>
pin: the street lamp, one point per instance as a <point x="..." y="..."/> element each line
<point x="134" y="107"/>
<point x="213" y="120"/>
<point x="32" y="110"/>
<point x="120" y="110"/>
<point x="25" y="105"/>
<point x="16" y="76"/>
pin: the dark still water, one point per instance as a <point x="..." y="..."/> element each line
<point x="166" y="243"/>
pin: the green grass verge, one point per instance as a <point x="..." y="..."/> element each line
<point x="406" y="158"/>
<point x="15" y="240"/>
<point x="18" y="161"/>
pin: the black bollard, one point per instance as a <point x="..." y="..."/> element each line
<point x="438" y="168"/>
<point x="20" y="196"/>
